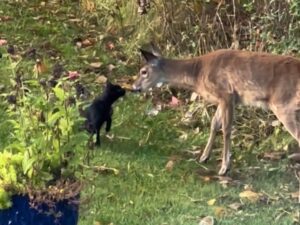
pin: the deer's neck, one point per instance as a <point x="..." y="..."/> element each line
<point x="182" y="73"/>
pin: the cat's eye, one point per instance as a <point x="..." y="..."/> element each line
<point x="144" y="73"/>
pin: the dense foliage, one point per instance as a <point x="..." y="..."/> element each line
<point x="43" y="141"/>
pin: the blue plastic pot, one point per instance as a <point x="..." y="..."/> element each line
<point x="22" y="214"/>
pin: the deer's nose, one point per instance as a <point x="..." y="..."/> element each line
<point x="135" y="88"/>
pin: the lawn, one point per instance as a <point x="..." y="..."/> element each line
<point x="154" y="178"/>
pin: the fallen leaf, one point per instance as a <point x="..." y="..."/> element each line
<point x="208" y="220"/>
<point x="174" y="101"/>
<point x="154" y="111"/>
<point x="211" y="202"/>
<point x="101" y="79"/>
<point x="219" y="211"/>
<point x="250" y="196"/>
<point x="273" y="155"/>
<point x="105" y="170"/>
<point x="86" y="43"/>
<point x="73" y="75"/>
<point x="5" y="18"/>
<point x="110" y="67"/>
<point x="96" y="64"/>
<point x="37" y="17"/>
<point x="235" y="206"/>
<point x="275" y="123"/>
<point x="194" y="96"/>
<point x="75" y="20"/>
<point x="79" y="44"/>
<point x="83" y="43"/>
<point x="206" y="178"/>
<point x="110" y="45"/>
<point x="3" y="42"/>
<point x="170" y="165"/>
<point x="183" y="137"/>
<point x="39" y="67"/>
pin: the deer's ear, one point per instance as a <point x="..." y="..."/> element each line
<point x="155" y="50"/>
<point x="148" y="56"/>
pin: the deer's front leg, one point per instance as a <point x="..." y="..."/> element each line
<point x="227" y="117"/>
<point x="214" y="127"/>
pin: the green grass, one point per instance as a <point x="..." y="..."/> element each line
<point x="144" y="192"/>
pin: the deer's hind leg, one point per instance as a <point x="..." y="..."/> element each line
<point x="289" y="116"/>
<point x="222" y="118"/>
<point x="216" y="124"/>
<point x="227" y="108"/>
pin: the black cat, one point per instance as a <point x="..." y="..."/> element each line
<point x="101" y="111"/>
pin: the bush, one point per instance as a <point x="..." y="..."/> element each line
<point x="46" y="143"/>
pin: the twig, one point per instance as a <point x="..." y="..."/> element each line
<point x="298" y="178"/>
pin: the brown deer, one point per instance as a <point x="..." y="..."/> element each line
<point x="227" y="78"/>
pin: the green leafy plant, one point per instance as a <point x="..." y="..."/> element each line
<point x="46" y="142"/>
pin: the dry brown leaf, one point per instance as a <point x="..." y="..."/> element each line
<point x="208" y="220"/>
<point x="3" y="42"/>
<point x="235" y="206"/>
<point x="273" y="155"/>
<point x="39" y="67"/>
<point x="219" y="211"/>
<point x="250" y="196"/>
<point x="110" y="45"/>
<point x="88" y="5"/>
<point x="170" y="165"/>
<point x="110" y="67"/>
<point x="174" y="102"/>
<point x="87" y="42"/>
<point x="96" y="64"/>
<point x="5" y="18"/>
<point x="101" y="79"/>
<point x="73" y="75"/>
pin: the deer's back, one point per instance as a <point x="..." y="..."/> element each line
<point x="255" y="78"/>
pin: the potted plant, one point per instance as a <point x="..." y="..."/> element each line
<point x="41" y="163"/>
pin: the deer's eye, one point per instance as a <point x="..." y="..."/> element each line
<point x="144" y="73"/>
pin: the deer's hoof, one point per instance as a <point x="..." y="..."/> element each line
<point x="223" y="170"/>
<point x="203" y="158"/>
